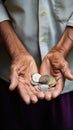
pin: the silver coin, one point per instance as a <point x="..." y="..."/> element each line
<point x="43" y="87"/>
<point x="35" y="77"/>
<point x="34" y="83"/>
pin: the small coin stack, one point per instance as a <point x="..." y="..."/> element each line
<point x="44" y="82"/>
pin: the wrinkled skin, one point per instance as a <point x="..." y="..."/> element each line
<point x="55" y="64"/>
<point x="23" y="66"/>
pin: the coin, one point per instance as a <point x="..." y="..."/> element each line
<point x="35" y="77"/>
<point x="44" y="82"/>
<point x="43" y="87"/>
<point x="51" y="81"/>
<point x="34" y="83"/>
<point x="44" y="79"/>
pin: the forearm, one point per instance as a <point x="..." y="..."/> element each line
<point x="65" y="44"/>
<point x="10" y="39"/>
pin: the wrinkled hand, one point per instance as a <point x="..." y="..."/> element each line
<point x="23" y="66"/>
<point x="54" y="64"/>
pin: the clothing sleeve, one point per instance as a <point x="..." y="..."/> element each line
<point x="70" y="21"/>
<point x="3" y="13"/>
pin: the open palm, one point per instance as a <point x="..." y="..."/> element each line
<point x="54" y="64"/>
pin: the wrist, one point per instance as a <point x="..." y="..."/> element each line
<point x="66" y="43"/>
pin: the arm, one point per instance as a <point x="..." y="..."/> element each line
<point x="22" y="62"/>
<point x="66" y="42"/>
<point x="11" y="41"/>
<point x="55" y="64"/>
<point x="7" y="33"/>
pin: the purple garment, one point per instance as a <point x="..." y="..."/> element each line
<point x="61" y="110"/>
<point x="45" y="115"/>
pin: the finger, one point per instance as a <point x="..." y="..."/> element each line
<point x="37" y="92"/>
<point x="23" y="93"/>
<point x="33" y="97"/>
<point x="55" y="91"/>
<point x="40" y="95"/>
<point x="48" y="96"/>
<point x="33" y="89"/>
<point x="66" y="71"/>
<point x="30" y="92"/>
<point x="58" y="89"/>
<point x="13" y="79"/>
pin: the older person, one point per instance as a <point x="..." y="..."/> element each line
<point x="38" y="37"/>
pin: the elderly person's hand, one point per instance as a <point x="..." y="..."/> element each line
<point x="55" y="64"/>
<point x="22" y="67"/>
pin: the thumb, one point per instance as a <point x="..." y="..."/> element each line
<point x="13" y="79"/>
<point x="66" y="71"/>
